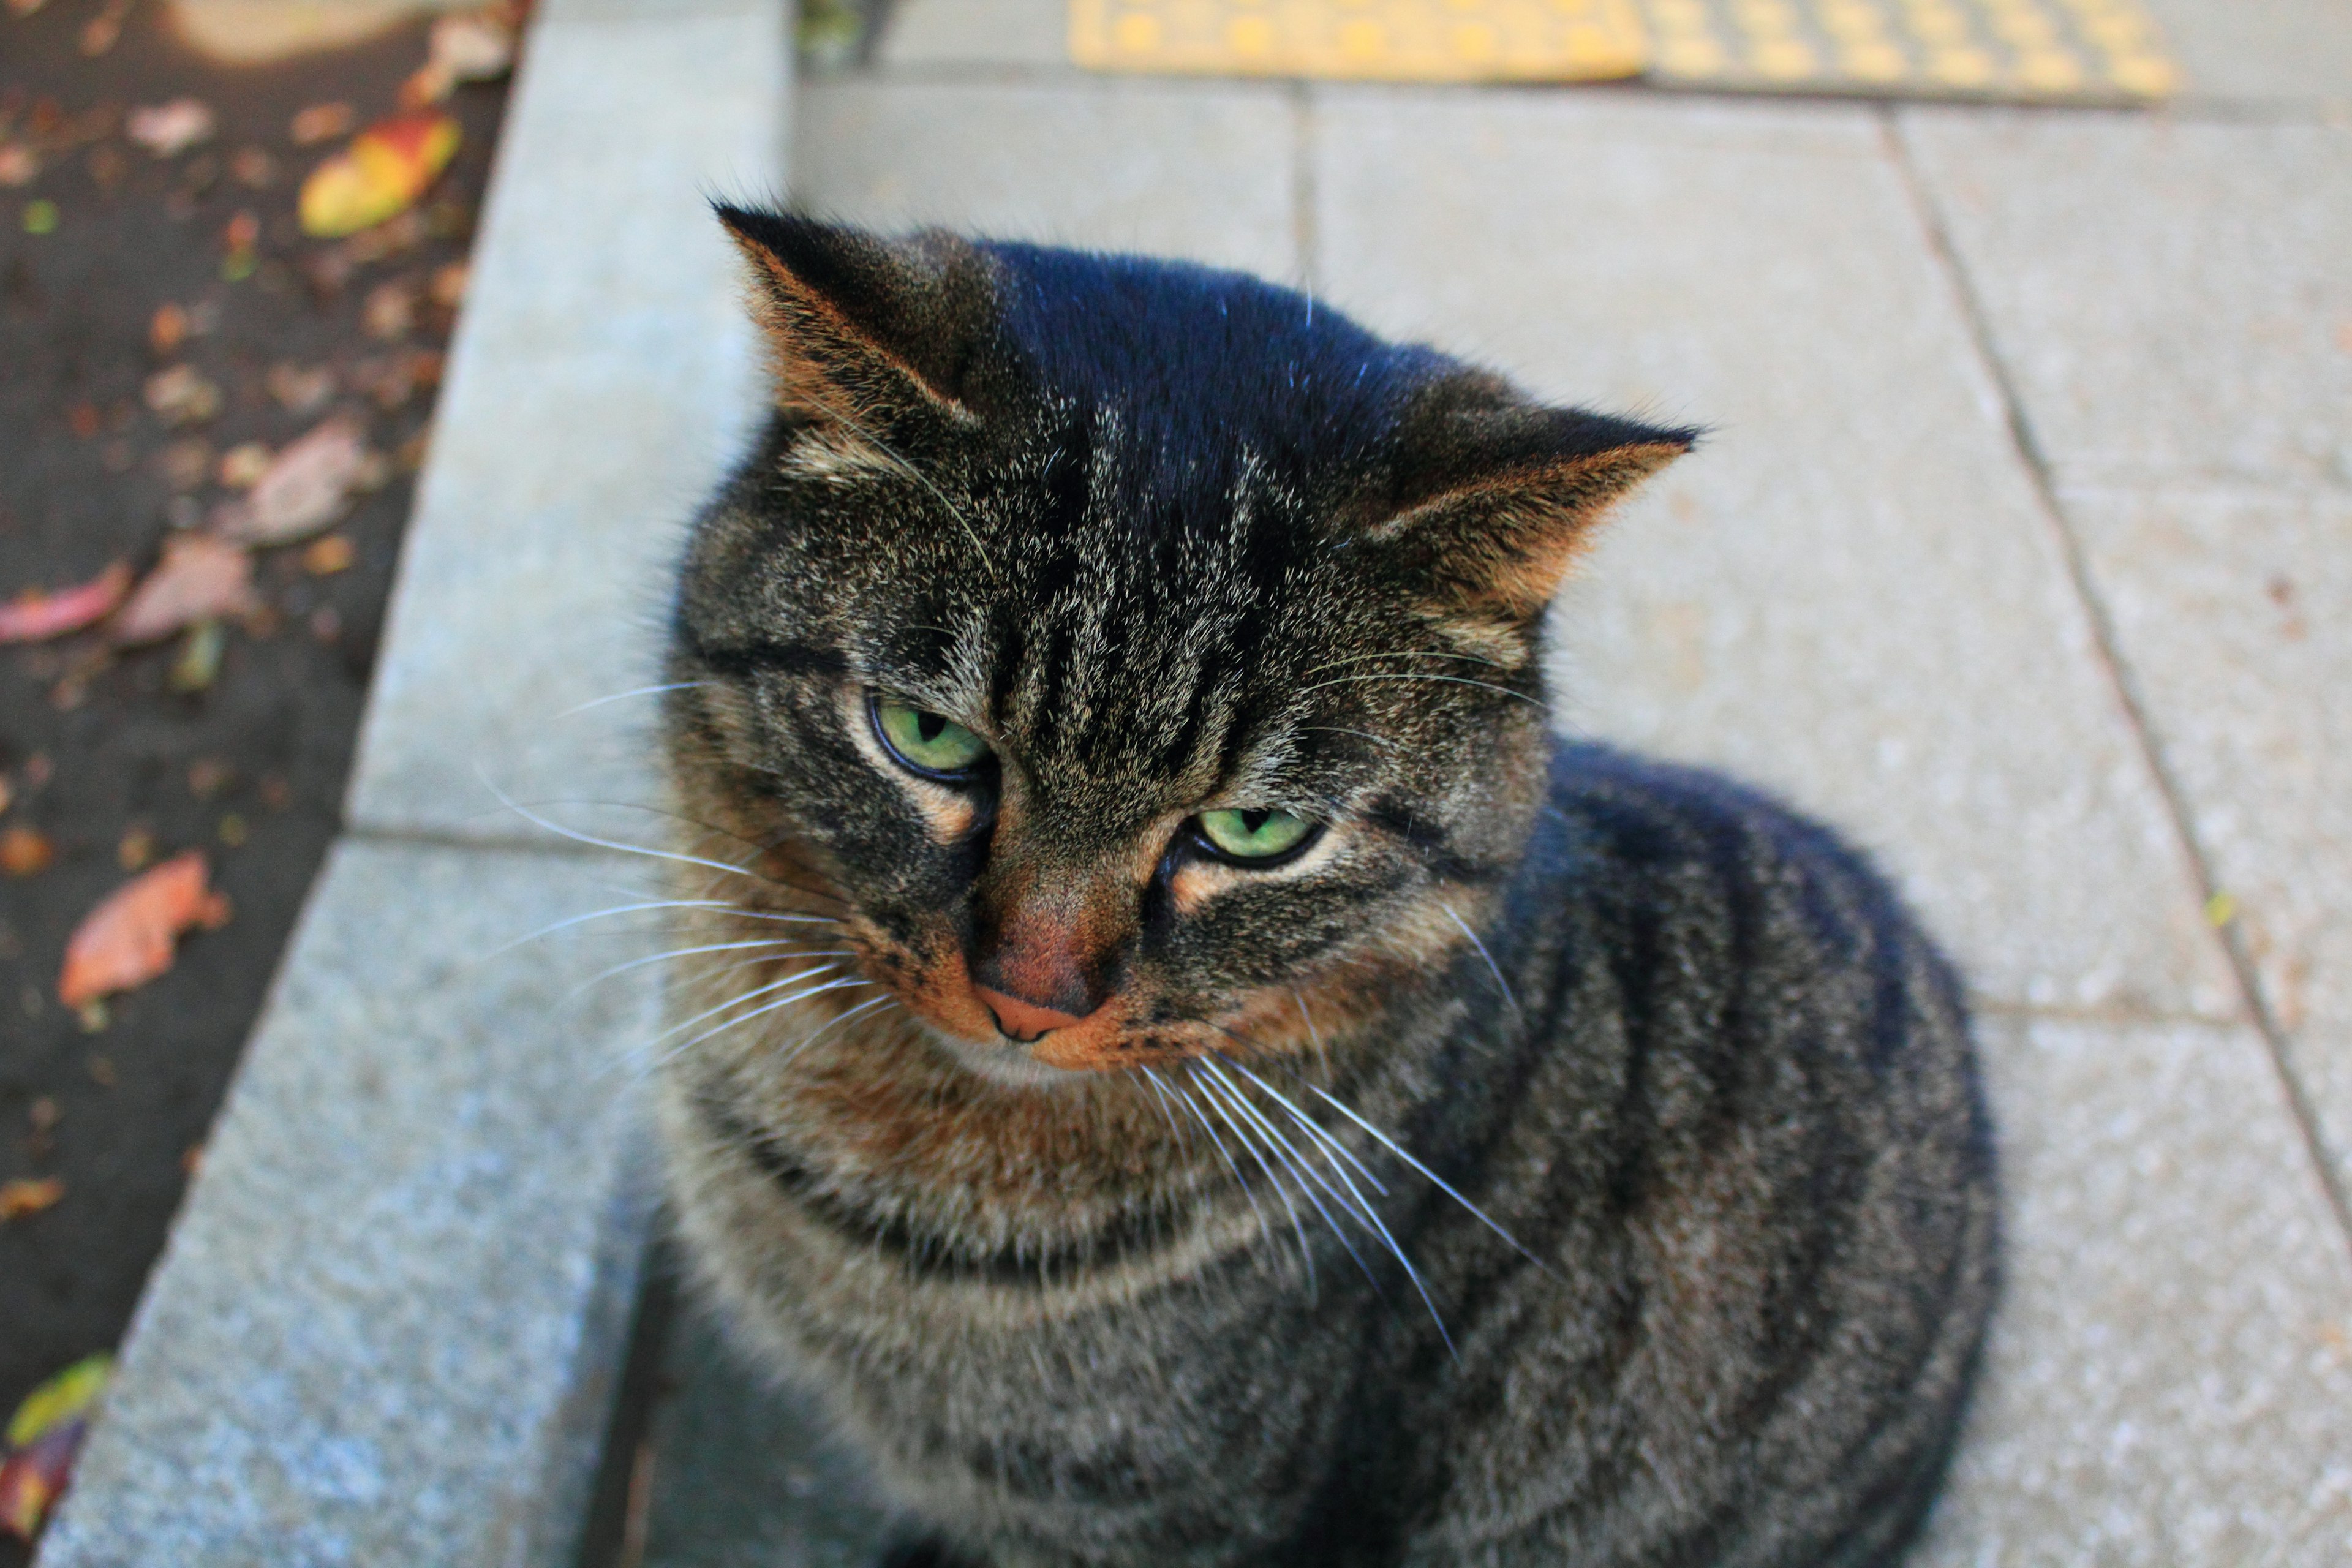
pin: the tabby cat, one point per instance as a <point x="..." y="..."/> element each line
<point x="1174" y="1046"/>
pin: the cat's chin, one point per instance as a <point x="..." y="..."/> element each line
<point x="1011" y="1065"/>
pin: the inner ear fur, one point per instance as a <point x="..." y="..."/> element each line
<point x="1492" y="497"/>
<point x="863" y="332"/>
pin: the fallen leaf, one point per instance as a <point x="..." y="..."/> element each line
<point x="41" y="217"/>
<point x="243" y="465"/>
<point x="19" y="164"/>
<point x="168" y="130"/>
<point x="19" y="1198"/>
<point x="390" y="311"/>
<point x="207" y="777"/>
<point x="327" y="556"/>
<point x="181" y="396"/>
<point x="320" y="122"/>
<point x="380" y="175"/>
<point x="7" y="792"/>
<point x="300" y="391"/>
<point x="233" y="830"/>
<point x="478" y="45"/>
<point x="98" y="34"/>
<point x="199" y="661"/>
<point x="33" y="1477"/>
<point x="127" y="941"/>
<point x="199" y="578"/>
<point x="253" y="168"/>
<point x="36" y="616"/>
<point x="308" y="487"/>
<point x="26" y="851"/>
<point x="185" y="464"/>
<point x="137" y="848"/>
<point x="447" y="288"/>
<point x="67" y="1396"/>
<point x="167" y="329"/>
<point x="44" y="1115"/>
<point x="24" y="8"/>
<point x="44" y="1440"/>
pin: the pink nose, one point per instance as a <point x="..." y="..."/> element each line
<point x="1023" y="1021"/>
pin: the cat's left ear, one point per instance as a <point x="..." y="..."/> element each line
<point x="1492" y="498"/>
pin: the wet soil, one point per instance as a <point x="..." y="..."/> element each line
<point x="102" y="755"/>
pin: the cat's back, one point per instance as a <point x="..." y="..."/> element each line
<point x="1744" y="1132"/>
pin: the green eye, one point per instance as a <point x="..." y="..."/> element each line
<point x="1254" y="835"/>
<point x="927" y="743"/>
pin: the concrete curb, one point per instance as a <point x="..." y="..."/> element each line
<point x="389" y="1322"/>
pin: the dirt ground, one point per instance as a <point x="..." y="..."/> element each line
<point x="103" y="756"/>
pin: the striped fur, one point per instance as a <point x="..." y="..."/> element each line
<point x="1564" y="1159"/>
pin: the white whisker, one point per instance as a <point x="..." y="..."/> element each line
<point x="1492" y="967"/>
<point x="1241" y="1131"/>
<point x="625" y="696"/>
<point x="1206" y="1126"/>
<point x="760" y="1012"/>
<point x="1448" y="679"/>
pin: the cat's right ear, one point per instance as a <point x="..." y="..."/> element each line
<point x="863" y="333"/>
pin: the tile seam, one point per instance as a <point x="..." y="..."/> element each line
<point x="2137" y="712"/>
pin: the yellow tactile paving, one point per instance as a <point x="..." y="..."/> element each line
<point x="1386" y="40"/>
<point x="2020" y="50"/>
<point x="2064" y="49"/>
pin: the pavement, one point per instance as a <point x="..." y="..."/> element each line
<point x="2018" y="552"/>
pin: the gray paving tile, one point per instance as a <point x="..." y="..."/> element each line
<point x="387" y="1324"/>
<point x="2173" y="299"/>
<point x="599" y="383"/>
<point x="1017" y="33"/>
<point x="2235" y="613"/>
<point x="1852" y="593"/>
<point x="1201" y="170"/>
<point x="2273" y="51"/>
<point x="2168" y="1380"/>
<point x="743" y="1477"/>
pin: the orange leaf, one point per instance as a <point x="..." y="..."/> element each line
<point x="21" y="1198"/>
<point x="127" y="941"/>
<point x="26" y="851"/>
<point x="380" y="175"/>
<point x="36" y="615"/>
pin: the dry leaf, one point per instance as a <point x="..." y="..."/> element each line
<point x="185" y="464"/>
<point x="447" y="288"/>
<point x="127" y="941"/>
<point x="198" y="664"/>
<point x="380" y="175"/>
<point x="479" y="46"/>
<point x="200" y="578"/>
<point x="327" y="556"/>
<point x="34" y="616"/>
<point x="320" y="122"/>
<point x="137" y="848"/>
<point x="181" y="396"/>
<point x="168" y="130"/>
<point x="253" y="168"/>
<point x="390" y="311"/>
<point x="19" y="1198"/>
<point x="299" y="389"/>
<point x="44" y="1437"/>
<point x="167" y="329"/>
<point x="243" y="466"/>
<point x="308" y="487"/>
<point x="19" y="164"/>
<point x="26" y="851"/>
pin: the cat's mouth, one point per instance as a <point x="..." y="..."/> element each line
<point x="1005" y="1062"/>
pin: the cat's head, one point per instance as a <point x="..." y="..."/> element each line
<point x="1134" y="658"/>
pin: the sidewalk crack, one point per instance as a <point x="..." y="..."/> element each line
<point x="2137" y="709"/>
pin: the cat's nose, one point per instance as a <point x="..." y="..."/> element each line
<point x="1020" y="1020"/>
